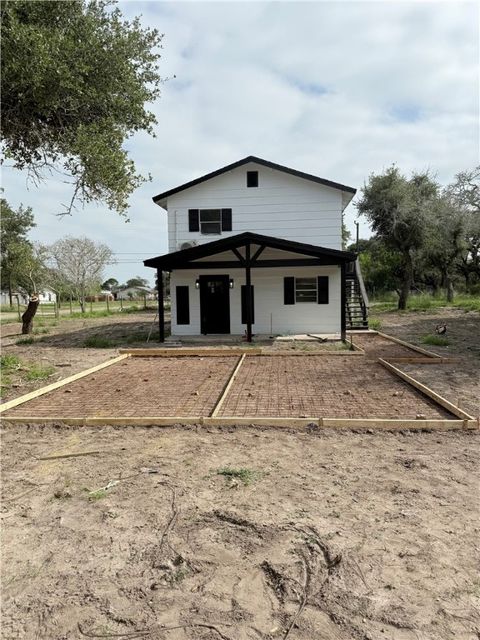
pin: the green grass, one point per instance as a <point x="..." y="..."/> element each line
<point x="9" y="361"/>
<point x="426" y="302"/>
<point x="375" y="324"/>
<point x="97" y="495"/>
<point x="27" y="340"/>
<point x="437" y="341"/>
<point x="97" y="342"/>
<point x="39" y="372"/>
<point x="247" y="476"/>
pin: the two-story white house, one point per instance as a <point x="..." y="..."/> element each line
<point x="255" y="248"/>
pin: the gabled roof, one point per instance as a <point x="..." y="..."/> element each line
<point x="265" y="163"/>
<point x="181" y="258"/>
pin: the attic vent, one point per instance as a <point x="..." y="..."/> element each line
<point x="187" y="245"/>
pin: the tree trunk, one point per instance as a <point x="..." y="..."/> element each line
<point x="450" y="291"/>
<point x="406" y="282"/>
<point x="10" y="292"/>
<point x="29" y="314"/>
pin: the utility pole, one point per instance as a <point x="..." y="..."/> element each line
<point x="356" y="244"/>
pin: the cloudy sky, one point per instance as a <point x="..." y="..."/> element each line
<point x="338" y="89"/>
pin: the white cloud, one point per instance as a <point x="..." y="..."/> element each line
<point x="340" y="89"/>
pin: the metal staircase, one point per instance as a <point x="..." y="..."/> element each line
<point x="356" y="299"/>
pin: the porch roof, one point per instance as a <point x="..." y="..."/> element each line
<point x="246" y="249"/>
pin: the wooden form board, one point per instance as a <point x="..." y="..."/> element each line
<point x="413" y="347"/>
<point x="56" y="385"/>
<point x="228" y="386"/>
<point x="463" y="421"/>
<point x="334" y="423"/>
<point x="187" y="351"/>
<point x="257" y="351"/>
<point x="446" y="404"/>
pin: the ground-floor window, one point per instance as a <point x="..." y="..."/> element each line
<point x="310" y="289"/>
<point x="305" y="290"/>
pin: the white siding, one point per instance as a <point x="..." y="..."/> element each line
<point x="271" y="315"/>
<point x="282" y="206"/>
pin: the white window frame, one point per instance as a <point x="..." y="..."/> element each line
<point x="306" y="290"/>
<point x="201" y="223"/>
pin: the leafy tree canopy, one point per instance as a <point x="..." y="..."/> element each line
<point x="110" y="284"/>
<point x="397" y="209"/>
<point x="79" y="263"/>
<point x="136" y="282"/>
<point x="18" y="255"/>
<point x="75" y="80"/>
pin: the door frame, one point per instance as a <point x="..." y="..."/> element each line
<point x="203" y="280"/>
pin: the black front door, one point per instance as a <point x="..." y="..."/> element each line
<point x="215" y="304"/>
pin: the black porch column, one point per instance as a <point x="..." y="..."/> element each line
<point x="248" y="282"/>
<point x="161" y="308"/>
<point x="343" y="302"/>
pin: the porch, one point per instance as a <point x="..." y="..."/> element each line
<point x="216" y="288"/>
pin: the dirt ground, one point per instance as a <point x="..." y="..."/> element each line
<point x="63" y="348"/>
<point x="243" y="533"/>
<point x="459" y="382"/>
<point x="240" y="533"/>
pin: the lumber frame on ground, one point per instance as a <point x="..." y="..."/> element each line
<point x="190" y="351"/>
<point x="433" y="395"/>
<point x="227" y="386"/>
<point x="408" y="345"/>
<point x="237" y="351"/>
<point x="334" y="423"/>
<point x="60" y="383"/>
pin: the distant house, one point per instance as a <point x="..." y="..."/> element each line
<point x="257" y="247"/>
<point x="45" y="296"/>
<point x="136" y="293"/>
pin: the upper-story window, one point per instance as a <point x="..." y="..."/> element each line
<point x="252" y="178"/>
<point x="210" y="221"/>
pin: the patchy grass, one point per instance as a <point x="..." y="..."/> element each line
<point x="9" y="361"/>
<point x="99" y="494"/>
<point x="40" y="330"/>
<point x="427" y="302"/>
<point x="247" y="476"/>
<point x="375" y="324"/>
<point x="98" y="342"/>
<point x="39" y="372"/>
<point x="14" y="370"/>
<point x="27" y="340"/>
<point x="437" y="341"/>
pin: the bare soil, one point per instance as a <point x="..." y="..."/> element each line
<point x="459" y="382"/>
<point x="64" y="346"/>
<point x="337" y="535"/>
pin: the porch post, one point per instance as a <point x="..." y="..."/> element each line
<point x="161" y="308"/>
<point x="248" y="282"/>
<point x="343" y="302"/>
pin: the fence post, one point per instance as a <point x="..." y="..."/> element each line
<point x="144" y="300"/>
<point x="18" y="309"/>
<point x="71" y="306"/>
<point x="106" y="298"/>
<point x="121" y="303"/>
<point x="91" y="305"/>
<point x="56" y="307"/>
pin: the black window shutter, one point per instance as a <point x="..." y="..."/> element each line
<point x="193" y="222"/>
<point x="289" y="290"/>
<point x="322" y="289"/>
<point x="226" y="219"/>
<point x="183" y="305"/>
<point x="244" y="304"/>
